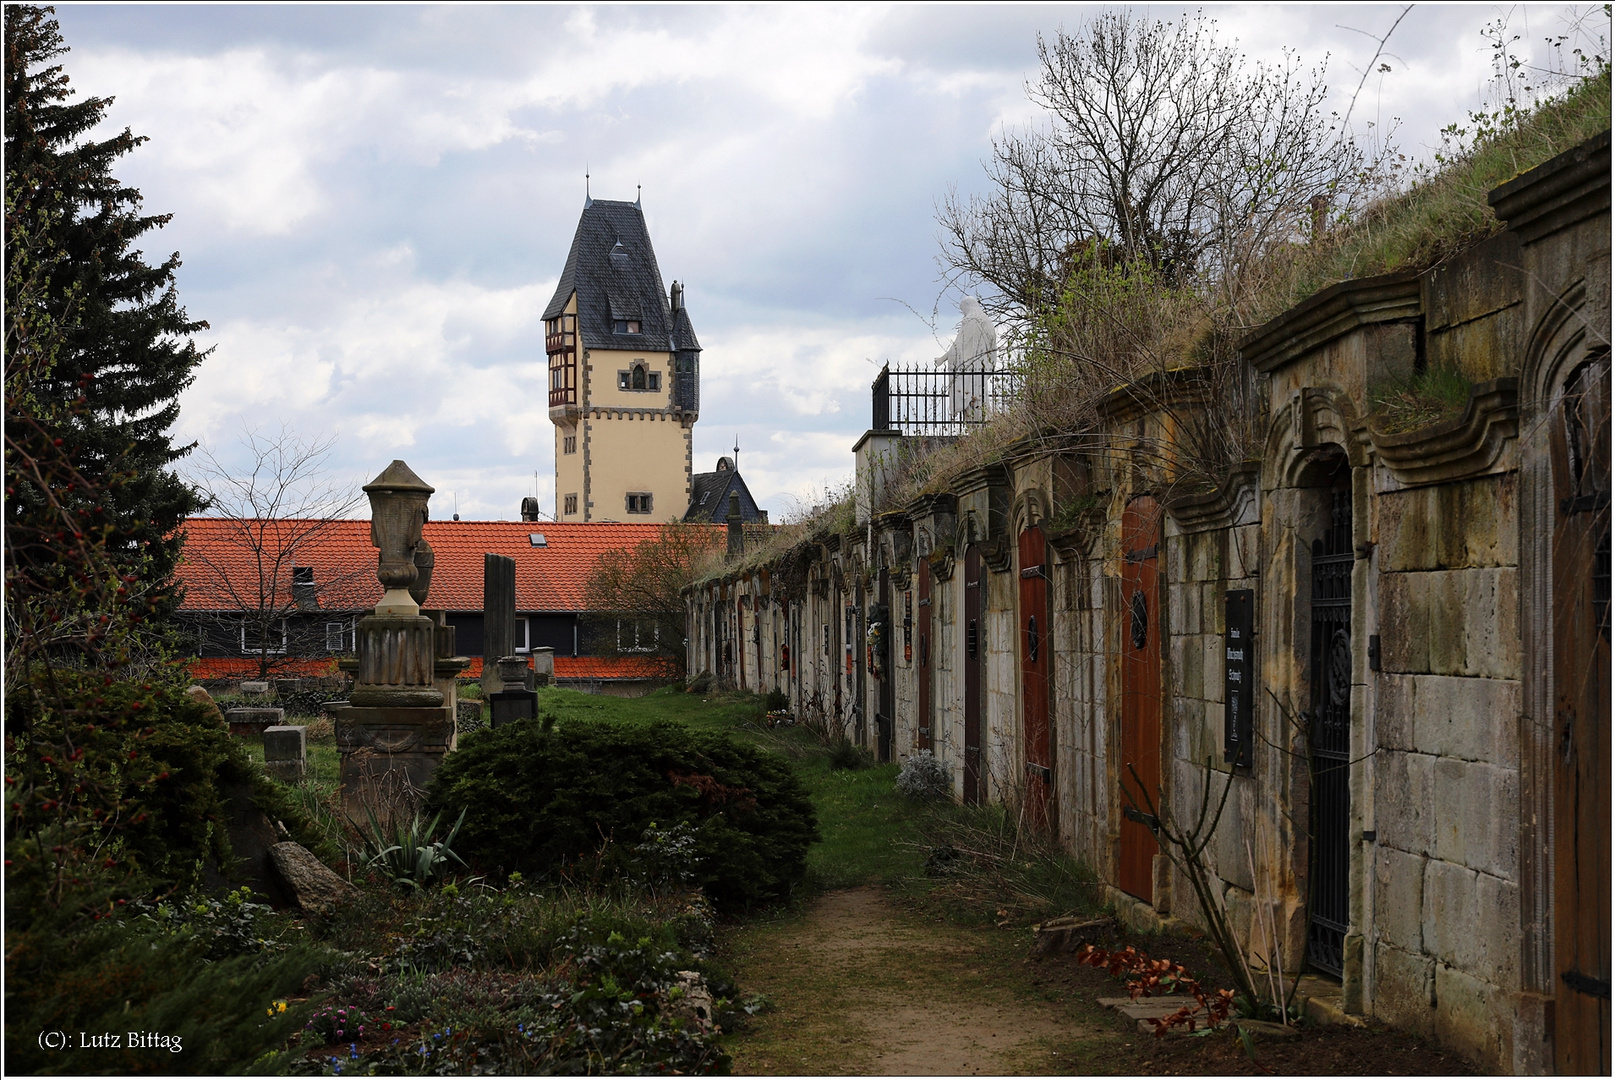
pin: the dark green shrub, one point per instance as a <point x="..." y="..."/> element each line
<point x="777" y="701"/>
<point x="540" y="801"/>
<point x="136" y="772"/>
<point x="846" y="754"/>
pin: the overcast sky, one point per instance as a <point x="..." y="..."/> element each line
<point x="373" y="203"/>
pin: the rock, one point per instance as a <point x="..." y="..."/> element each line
<point x="252" y="835"/>
<point x="200" y="695"/>
<point x="694" y="1001"/>
<point x="1065" y="935"/>
<point x="312" y="885"/>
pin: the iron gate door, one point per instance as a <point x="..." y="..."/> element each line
<point x="1331" y="735"/>
<point x="1141" y="697"/>
<point x="927" y="740"/>
<point x="1035" y="668"/>
<point x="973" y="646"/>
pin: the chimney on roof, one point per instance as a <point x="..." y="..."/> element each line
<point x="529" y="508"/>
<point x="737" y="535"/>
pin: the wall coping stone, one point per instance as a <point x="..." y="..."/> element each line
<point x="1332" y="313"/>
<point x="1558" y="193"/>
<point x="1464" y="446"/>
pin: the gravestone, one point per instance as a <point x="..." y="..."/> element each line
<point x="253" y="720"/>
<point x="255" y="686"/>
<point x="286" y="752"/>
<point x="543" y="665"/>
<point x="498" y="618"/>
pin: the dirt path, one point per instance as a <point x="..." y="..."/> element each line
<point x="862" y="987"/>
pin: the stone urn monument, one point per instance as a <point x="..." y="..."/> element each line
<point x="398" y="722"/>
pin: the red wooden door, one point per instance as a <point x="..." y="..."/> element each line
<point x="975" y="642"/>
<point x="1581" y="675"/>
<point x="1140" y="766"/>
<point x="1035" y="668"/>
<point x="922" y="620"/>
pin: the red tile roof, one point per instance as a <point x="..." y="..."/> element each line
<point x="566" y="667"/>
<point x="221" y="571"/>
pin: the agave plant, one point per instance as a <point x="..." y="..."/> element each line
<point x="409" y="856"/>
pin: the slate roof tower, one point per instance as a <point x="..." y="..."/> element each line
<point x="624" y="375"/>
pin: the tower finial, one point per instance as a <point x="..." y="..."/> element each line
<point x="639" y="193"/>
<point x="737" y="451"/>
<point x="588" y="200"/>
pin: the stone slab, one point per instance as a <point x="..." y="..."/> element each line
<point x="253" y="721"/>
<point x="255" y="686"/>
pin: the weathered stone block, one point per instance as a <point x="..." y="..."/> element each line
<point x="1393" y="710"/>
<point x="252" y="721"/>
<point x="1399" y="897"/>
<point x="1444" y="592"/>
<point x="1186" y="656"/>
<point x="255" y="686"/>
<point x="1404" y="622"/>
<point x="1451" y="915"/>
<point x="1477" y="823"/>
<point x="286" y="752"/>
<point x="1468" y="1017"/>
<point x="1237" y="825"/>
<point x="1449" y="526"/>
<point x="1468" y="719"/>
<point x="1404" y="809"/>
<point x="1404" y="988"/>
<point x="1491" y="623"/>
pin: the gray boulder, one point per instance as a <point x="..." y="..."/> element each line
<point x="311" y="884"/>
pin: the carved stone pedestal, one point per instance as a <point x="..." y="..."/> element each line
<point x="388" y="757"/>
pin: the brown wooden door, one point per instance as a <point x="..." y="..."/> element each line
<point x="1140" y="767"/>
<point x="975" y="642"/>
<point x="1035" y="668"/>
<point x="922" y="621"/>
<point x="1581" y="677"/>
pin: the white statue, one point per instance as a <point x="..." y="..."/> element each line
<point x="971" y="358"/>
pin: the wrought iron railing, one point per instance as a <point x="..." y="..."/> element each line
<point x="938" y="401"/>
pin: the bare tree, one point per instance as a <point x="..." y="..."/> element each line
<point x="635" y="595"/>
<point x="273" y="516"/>
<point x="1133" y="228"/>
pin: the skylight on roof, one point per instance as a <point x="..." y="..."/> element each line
<point x="537" y="540"/>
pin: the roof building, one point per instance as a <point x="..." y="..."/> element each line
<point x="303" y="589"/>
<point x="709" y="496"/>
<point x="624" y="375"/>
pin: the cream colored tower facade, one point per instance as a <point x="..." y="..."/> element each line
<point x="624" y="376"/>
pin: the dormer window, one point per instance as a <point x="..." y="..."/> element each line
<point x="626" y="326"/>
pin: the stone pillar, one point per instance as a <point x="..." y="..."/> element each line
<point x="543" y="665"/>
<point x="498" y="618"/>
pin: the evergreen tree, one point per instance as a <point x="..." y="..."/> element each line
<point x="123" y="351"/>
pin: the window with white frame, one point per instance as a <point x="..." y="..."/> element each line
<point x="337" y="637"/>
<point x="637" y="635"/>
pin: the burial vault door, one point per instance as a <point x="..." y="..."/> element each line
<point x="1580" y="438"/>
<point x="1330" y="673"/>
<point x="922" y="619"/>
<point x="1036" y="665"/>
<point x="974" y="609"/>
<point x="1140" y="766"/>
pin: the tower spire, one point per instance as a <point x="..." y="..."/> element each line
<point x="588" y="200"/>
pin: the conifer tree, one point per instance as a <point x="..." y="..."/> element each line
<point x="123" y="351"/>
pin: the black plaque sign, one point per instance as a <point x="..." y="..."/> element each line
<point x="1238" y="689"/>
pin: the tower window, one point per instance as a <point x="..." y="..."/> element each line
<point x="639" y="502"/>
<point x="569" y="444"/>
<point x="571" y="504"/>
<point x="639" y="377"/>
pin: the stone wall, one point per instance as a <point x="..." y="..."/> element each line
<point x="1438" y="668"/>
